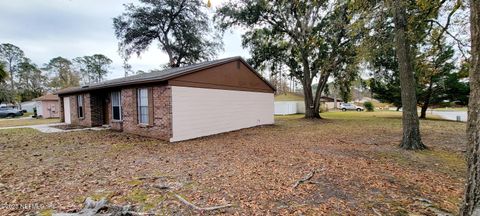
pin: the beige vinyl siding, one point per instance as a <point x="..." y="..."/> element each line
<point x="200" y="112"/>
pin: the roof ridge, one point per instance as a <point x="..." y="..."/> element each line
<point x="182" y="67"/>
<point x="159" y="76"/>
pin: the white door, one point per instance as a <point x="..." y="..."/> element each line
<point x="39" y="108"/>
<point x="200" y="112"/>
<point x="66" y="109"/>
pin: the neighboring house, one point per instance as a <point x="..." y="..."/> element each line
<point x="365" y="99"/>
<point x="330" y="103"/>
<point x="175" y="104"/>
<point x="48" y="106"/>
<point x="28" y="106"/>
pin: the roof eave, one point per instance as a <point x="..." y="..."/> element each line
<point x="166" y="78"/>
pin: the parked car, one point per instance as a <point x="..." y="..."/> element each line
<point x="9" y="112"/>
<point x="348" y="106"/>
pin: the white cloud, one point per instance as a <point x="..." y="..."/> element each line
<point x="45" y="29"/>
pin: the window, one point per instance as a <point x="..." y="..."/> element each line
<point x="116" y="106"/>
<point x="142" y="102"/>
<point x="80" y="106"/>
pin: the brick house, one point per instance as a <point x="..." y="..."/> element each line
<point x="175" y="104"/>
<point x="47" y="106"/>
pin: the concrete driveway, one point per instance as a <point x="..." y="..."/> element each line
<point x="50" y="128"/>
<point x="451" y="115"/>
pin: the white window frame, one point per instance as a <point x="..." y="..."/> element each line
<point x="140" y="101"/>
<point x="119" y="100"/>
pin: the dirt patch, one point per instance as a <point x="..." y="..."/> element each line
<point x="253" y="169"/>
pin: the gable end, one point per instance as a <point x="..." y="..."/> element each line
<point x="234" y="75"/>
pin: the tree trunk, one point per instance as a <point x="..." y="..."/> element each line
<point x="426" y="102"/>
<point x="311" y="110"/>
<point x="10" y="70"/>
<point x="471" y="203"/>
<point x="166" y="45"/>
<point x="411" y="129"/>
<point x="423" y="111"/>
<point x="322" y="82"/>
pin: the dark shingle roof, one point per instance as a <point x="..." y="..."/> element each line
<point x="156" y="76"/>
<point x="47" y="97"/>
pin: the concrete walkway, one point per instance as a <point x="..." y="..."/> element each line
<point x="48" y="128"/>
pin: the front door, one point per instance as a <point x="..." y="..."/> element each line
<point x="105" y="112"/>
<point x="66" y="109"/>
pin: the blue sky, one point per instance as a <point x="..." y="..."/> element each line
<point x="45" y="29"/>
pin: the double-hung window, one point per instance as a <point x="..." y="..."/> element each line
<point x="142" y="102"/>
<point x="116" y="105"/>
<point x="80" y="106"/>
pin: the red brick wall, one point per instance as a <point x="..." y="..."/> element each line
<point x="61" y="113"/>
<point x="162" y="112"/>
<point x="114" y="124"/>
<point x="94" y="104"/>
<point x="87" y="117"/>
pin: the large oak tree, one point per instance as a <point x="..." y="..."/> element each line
<point x="182" y="29"/>
<point x="310" y="39"/>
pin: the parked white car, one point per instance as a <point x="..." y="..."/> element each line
<point x="348" y="106"/>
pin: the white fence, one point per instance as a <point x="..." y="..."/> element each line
<point x="289" y="107"/>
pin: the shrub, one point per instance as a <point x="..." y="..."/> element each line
<point x="368" y="106"/>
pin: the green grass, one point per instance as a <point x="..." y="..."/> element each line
<point x="353" y="115"/>
<point x="452" y="109"/>
<point x="25" y="122"/>
<point x="288" y="97"/>
<point x="27" y="114"/>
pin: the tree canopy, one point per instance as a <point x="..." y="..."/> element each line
<point x="11" y="55"/>
<point x="438" y="79"/>
<point x="23" y="80"/>
<point x="93" y="69"/>
<point x="31" y="80"/>
<point x="310" y="39"/>
<point x="3" y="72"/>
<point x="182" y="29"/>
<point x="62" y="72"/>
<point x="405" y="25"/>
